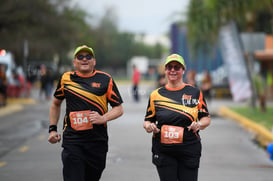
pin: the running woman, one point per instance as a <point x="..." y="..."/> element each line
<point x="175" y="114"/>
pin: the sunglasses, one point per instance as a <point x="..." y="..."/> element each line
<point x="81" y="57"/>
<point x="175" y="67"/>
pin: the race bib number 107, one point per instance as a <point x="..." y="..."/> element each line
<point x="171" y="134"/>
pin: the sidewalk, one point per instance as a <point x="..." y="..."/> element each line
<point x="15" y="105"/>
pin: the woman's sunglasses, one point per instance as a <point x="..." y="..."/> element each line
<point x="175" y="67"/>
<point x="81" y="57"/>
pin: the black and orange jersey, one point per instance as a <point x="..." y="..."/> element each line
<point x="93" y="93"/>
<point x="179" y="107"/>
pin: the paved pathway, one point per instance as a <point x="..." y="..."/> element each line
<point x="229" y="152"/>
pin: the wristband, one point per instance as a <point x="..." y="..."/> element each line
<point x="52" y="128"/>
<point x="200" y="124"/>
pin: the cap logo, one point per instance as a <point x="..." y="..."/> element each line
<point x="174" y="56"/>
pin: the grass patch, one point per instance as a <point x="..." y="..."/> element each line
<point x="263" y="118"/>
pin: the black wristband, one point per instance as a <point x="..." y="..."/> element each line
<point x="52" y="128"/>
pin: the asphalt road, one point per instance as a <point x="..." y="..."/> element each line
<point x="229" y="152"/>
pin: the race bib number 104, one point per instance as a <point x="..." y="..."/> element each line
<point x="171" y="134"/>
<point x="80" y="120"/>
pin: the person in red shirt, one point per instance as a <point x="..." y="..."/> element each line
<point x="136" y="79"/>
<point x="3" y="85"/>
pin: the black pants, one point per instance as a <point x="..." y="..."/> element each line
<point x="79" y="167"/>
<point x="179" y="166"/>
<point x="135" y="93"/>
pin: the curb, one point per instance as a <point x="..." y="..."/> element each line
<point x="20" y="101"/>
<point x="263" y="135"/>
<point x="9" y="109"/>
<point x="15" y="105"/>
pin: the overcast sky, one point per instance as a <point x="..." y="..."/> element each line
<point x="152" y="17"/>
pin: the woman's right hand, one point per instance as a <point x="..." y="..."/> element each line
<point x="150" y="127"/>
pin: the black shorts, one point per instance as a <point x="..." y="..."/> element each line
<point x="179" y="164"/>
<point x="82" y="163"/>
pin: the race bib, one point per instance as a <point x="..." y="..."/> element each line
<point x="80" y="120"/>
<point x="171" y="134"/>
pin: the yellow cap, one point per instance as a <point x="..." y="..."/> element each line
<point x="177" y="58"/>
<point x="84" y="48"/>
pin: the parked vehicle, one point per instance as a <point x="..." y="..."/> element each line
<point x="7" y="59"/>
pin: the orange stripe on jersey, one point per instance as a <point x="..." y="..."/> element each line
<point x="157" y="100"/>
<point x="202" y="104"/>
<point x="100" y="100"/>
<point x="82" y="97"/>
<point x="110" y="92"/>
<point x="103" y="73"/>
<point x="151" y="109"/>
<point x="190" y="116"/>
<point x="200" y="100"/>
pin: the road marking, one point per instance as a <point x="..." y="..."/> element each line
<point x="23" y="149"/>
<point x="2" y="164"/>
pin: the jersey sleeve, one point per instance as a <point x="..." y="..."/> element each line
<point x="150" y="111"/>
<point x="59" y="92"/>
<point x="113" y="94"/>
<point x="202" y="107"/>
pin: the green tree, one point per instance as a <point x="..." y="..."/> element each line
<point x="54" y="29"/>
<point x="49" y="28"/>
<point x="205" y="17"/>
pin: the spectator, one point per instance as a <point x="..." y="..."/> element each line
<point x="190" y="78"/>
<point x="31" y="78"/>
<point x="43" y="77"/>
<point x="3" y="85"/>
<point x="161" y="80"/>
<point x="21" y="80"/>
<point x="49" y="81"/>
<point x="260" y="86"/>
<point x="136" y="79"/>
<point x="206" y="85"/>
